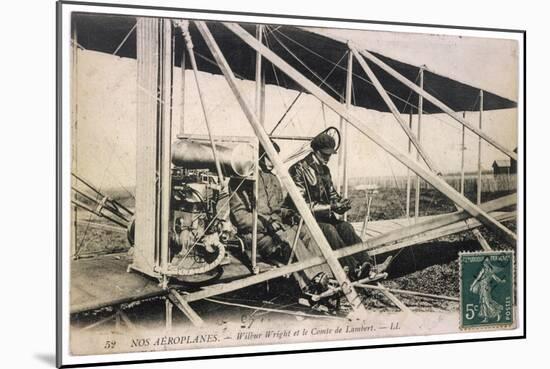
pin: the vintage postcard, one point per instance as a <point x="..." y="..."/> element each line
<point x="236" y="184"/>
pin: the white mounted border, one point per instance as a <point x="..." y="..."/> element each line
<point x="64" y="204"/>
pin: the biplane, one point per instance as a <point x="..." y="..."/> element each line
<point x="181" y="196"/>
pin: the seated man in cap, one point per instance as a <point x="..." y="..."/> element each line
<point x="312" y="177"/>
<point x="271" y="247"/>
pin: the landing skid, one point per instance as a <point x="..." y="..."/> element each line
<point x="330" y="296"/>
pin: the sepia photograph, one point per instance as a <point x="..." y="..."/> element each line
<point x="238" y="184"/>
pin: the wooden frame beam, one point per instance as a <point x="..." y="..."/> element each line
<point x="278" y="311"/>
<point x="165" y="144"/>
<point x="415" y="141"/>
<point x="285" y="178"/>
<point x="184" y="307"/>
<point x="438" y="222"/>
<point x="406" y="292"/>
<point x="412" y="138"/>
<point x="463" y="226"/>
<point x="408" y="189"/>
<point x="427" y="175"/>
<point x="393" y="299"/>
<point x="345" y="135"/>
<point x="147" y="202"/>
<point x="184" y="27"/>
<point x="374" y="244"/>
<point x="478" y="197"/>
<point x="437" y="103"/>
<point x="462" y="156"/>
<point x="182" y="98"/>
<point x="168" y="307"/>
<point x="419" y="137"/>
<point x="222" y="288"/>
<point x="259" y="103"/>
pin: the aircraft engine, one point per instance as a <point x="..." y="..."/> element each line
<point x="199" y="233"/>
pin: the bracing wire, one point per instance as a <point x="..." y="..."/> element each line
<point x="360" y="77"/>
<point x="275" y="74"/>
<point x="323" y="82"/>
<point x="124" y="39"/>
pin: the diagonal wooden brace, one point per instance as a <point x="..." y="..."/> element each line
<point x="407" y="130"/>
<point x="454" y="228"/>
<point x="286" y="180"/>
<point x="393" y="299"/>
<point x="221" y="288"/>
<point x="184" y="307"/>
<point x="338" y="108"/>
<point x="439" y="221"/>
<point x="393" y="109"/>
<point x="438" y="103"/>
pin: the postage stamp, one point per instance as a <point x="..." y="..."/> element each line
<point x="486" y="289"/>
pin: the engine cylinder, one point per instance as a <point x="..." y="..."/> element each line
<point x="236" y="159"/>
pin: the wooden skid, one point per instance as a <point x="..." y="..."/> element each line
<point x="219" y="289"/>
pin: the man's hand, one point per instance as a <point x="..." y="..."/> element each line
<point x="346" y="203"/>
<point x="277" y="226"/>
<point x="340" y="207"/>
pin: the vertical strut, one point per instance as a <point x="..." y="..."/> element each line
<point x="184" y="25"/>
<point x="147" y="239"/>
<point x="182" y="88"/>
<point x="74" y="131"/>
<point x="258" y="106"/>
<point x="345" y="126"/>
<point x="408" y="204"/>
<point x="462" y="152"/>
<point x="418" y="137"/>
<point x="479" y="148"/>
<point x="166" y="142"/>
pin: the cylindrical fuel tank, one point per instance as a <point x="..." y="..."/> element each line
<point x="236" y="159"/>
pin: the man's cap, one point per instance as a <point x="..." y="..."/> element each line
<point x="324" y="143"/>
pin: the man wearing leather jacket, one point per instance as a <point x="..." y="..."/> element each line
<point x="312" y="177"/>
<point x="269" y="206"/>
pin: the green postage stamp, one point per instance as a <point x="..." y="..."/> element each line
<point x="486" y="289"/>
